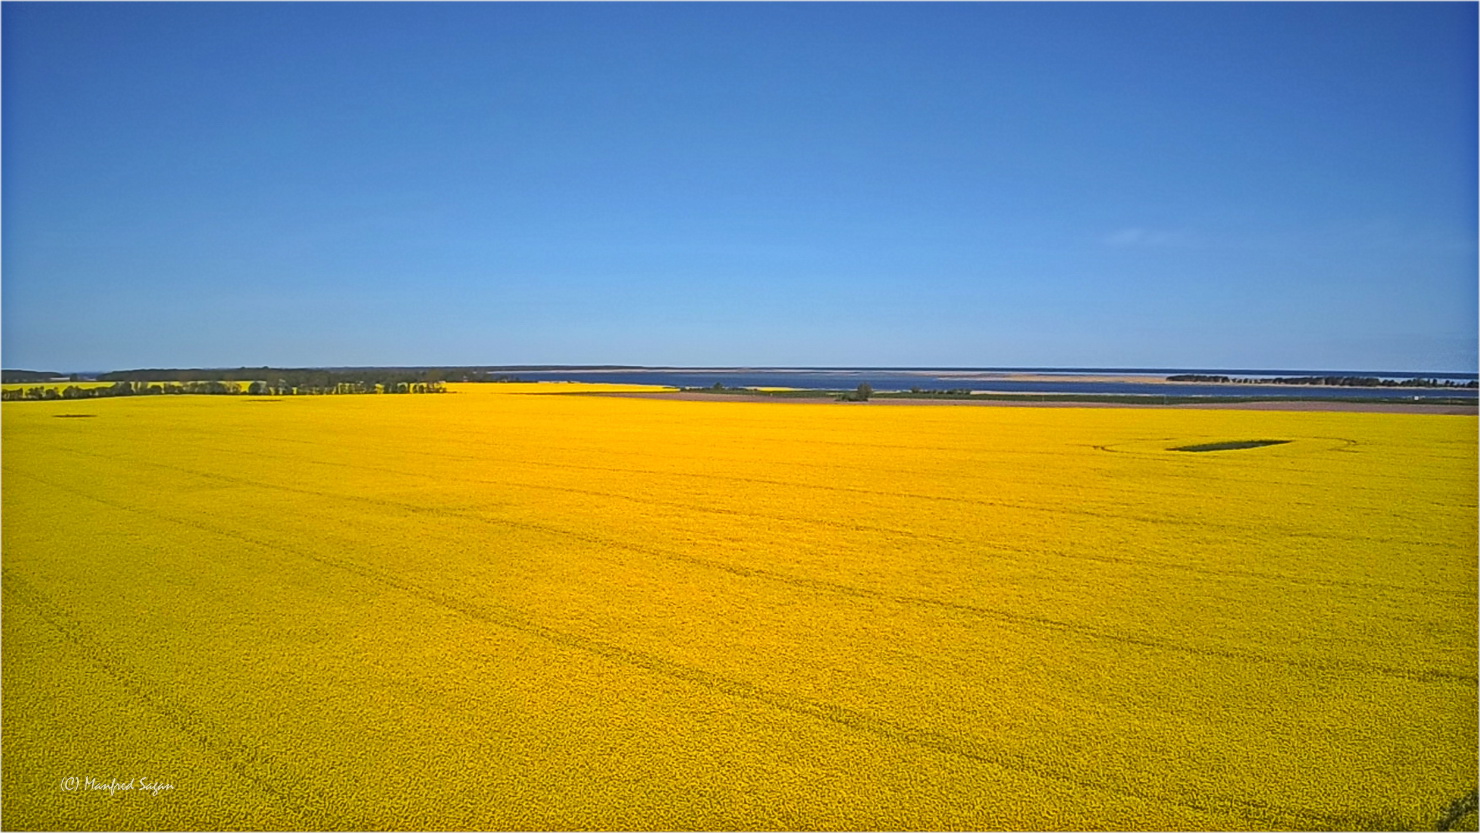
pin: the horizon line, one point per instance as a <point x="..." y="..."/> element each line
<point x="536" y="368"/>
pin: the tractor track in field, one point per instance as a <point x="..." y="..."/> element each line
<point x="843" y="471"/>
<point x="1306" y="664"/>
<point x="254" y="766"/>
<point x="996" y="550"/>
<point x="1246" y="809"/>
<point x="471" y="440"/>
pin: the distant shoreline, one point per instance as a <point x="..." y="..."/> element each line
<point x="1139" y="374"/>
<point x="1138" y="377"/>
<point x="1025" y="401"/>
<point x="961" y="375"/>
<point x="1164" y="386"/>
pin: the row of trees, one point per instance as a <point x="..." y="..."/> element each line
<point x="283" y="388"/>
<point x="217" y="387"/>
<point x="311" y="377"/>
<point x="1338" y="381"/>
<point x="13" y="377"/>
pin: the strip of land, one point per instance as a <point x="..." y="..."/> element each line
<point x="1026" y="402"/>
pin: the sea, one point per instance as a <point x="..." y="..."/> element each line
<point x="1116" y="381"/>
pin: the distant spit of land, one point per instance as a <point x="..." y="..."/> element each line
<point x="1400" y="406"/>
<point x="1347" y="381"/>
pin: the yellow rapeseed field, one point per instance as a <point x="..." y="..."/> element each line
<point x="489" y="609"/>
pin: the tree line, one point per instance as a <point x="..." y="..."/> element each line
<point x="1337" y="381"/>
<point x="309" y="377"/>
<point x="319" y="377"/>
<point x="11" y="377"/>
<point x="257" y="387"/>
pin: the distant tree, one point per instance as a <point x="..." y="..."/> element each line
<point x="863" y="392"/>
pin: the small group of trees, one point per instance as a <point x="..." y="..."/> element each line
<point x="720" y="387"/>
<point x="480" y="376"/>
<point x="1199" y="377"/>
<point x="946" y="392"/>
<point x="858" y="394"/>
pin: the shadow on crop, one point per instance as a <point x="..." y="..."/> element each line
<point x="1228" y="445"/>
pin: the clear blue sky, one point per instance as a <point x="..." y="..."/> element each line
<point x="1122" y="184"/>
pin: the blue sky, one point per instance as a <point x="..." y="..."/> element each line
<point x="1057" y="184"/>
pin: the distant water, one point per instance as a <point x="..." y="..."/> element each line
<point x="883" y="379"/>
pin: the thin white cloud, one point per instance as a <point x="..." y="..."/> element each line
<point x="1136" y="236"/>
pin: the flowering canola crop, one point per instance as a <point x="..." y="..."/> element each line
<point x="488" y="609"/>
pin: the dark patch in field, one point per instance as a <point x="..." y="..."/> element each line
<point x="1229" y="445"/>
<point x="262" y="400"/>
<point x="73" y="416"/>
